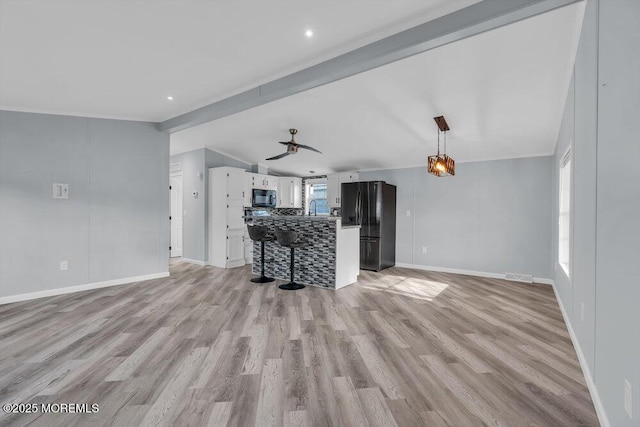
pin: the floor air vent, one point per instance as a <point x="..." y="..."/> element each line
<point x="516" y="277"/>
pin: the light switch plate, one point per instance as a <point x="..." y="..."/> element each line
<point x="64" y="265"/>
<point x="60" y="191"/>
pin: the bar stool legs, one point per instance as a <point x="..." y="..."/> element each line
<point x="291" y="286"/>
<point x="262" y="278"/>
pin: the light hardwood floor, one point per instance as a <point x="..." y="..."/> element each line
<point x="207" y="347"/>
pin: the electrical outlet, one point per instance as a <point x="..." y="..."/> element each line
<point x="64" y="265"/>
<point x="408" y="213"/>
<point x="424" y="249"/>
<point x="582" y="311"/>
<point x="628" y="398"/>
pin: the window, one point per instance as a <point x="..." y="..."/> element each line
<point x="317" y="200"/>
<point x="564" y="215"/>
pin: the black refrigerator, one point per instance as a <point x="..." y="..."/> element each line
<point x="372" y="206"/>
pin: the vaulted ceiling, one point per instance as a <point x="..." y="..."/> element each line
<point x="501" y="91"/>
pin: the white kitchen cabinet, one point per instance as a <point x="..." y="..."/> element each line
<point x="297" y="192"/>
<point x="334" y="184"/>
<point x="248" y="186"/>
<point x="225" y="219"/>
<point x="272" y="182"/>
<point x="235" y="248"/>
<point x="262" y="182"/>
<point x="284" y="193"/>
<point x="333" y="190"/>
<point x="289" y="192"/>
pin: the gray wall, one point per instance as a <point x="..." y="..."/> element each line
<point x="601" y="125"/>
<point x="491" y="217"/>
<point x="115" y="223"/>
<point x="195" y="226"/>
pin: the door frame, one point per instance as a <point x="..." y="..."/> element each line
<point x="176" y="172"/>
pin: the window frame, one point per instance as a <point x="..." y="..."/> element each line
<point x="307" y="200"/>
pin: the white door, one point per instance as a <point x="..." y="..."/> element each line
<point x="175" y="190"/>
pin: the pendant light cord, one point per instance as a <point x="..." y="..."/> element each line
<point x="445" y="142"/>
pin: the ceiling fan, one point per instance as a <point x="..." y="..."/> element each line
<point x="292" y="146"/>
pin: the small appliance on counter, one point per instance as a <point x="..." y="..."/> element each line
<point x="263" y="198"/>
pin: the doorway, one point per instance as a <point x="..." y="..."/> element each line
<point x="175" y="191"/>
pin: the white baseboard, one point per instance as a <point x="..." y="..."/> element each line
<point x="539" y="280"/>
<point x="78" y="288"/>
<point x="595" y="397"/>
<point x="194" y="261"/>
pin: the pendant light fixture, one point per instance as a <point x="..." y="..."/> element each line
<point x="441" y="165"/>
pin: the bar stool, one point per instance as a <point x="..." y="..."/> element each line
<point x="289" y="239"/>
<point x="260" y="233"/>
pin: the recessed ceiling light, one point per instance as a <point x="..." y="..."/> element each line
<point x="170" y="98"/>
<point x="308" y="33"/>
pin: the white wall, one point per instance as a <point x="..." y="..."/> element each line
<point x="115" y="224"/>
<point x="601" y="124"/>
<point x="492" y="217"/>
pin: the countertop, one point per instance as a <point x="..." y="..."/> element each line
<point x="306" y="218"/>
<point x="300" y="217"/>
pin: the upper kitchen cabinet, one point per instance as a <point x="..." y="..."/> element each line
<point x="248" y="186"/>
<point x="262" y="182"/>
<point x="289" y="192"/>
<point x="334" y="184"/>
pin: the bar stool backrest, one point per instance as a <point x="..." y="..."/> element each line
<point x="258" y="233"/>
<point x="286" y="237"/>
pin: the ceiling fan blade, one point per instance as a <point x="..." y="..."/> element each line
<point x="279" y="156"/>
<point x="285" y="143"/>
<point x="309" y="148"/>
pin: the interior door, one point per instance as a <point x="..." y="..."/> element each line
<point x="175" y="191"/>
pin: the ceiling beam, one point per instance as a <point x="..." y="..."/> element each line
<point x="475" y="19"/>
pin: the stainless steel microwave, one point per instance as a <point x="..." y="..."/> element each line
<point x="263" y="199"/>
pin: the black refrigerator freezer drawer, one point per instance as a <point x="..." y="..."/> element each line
<point x="370" y="254"/>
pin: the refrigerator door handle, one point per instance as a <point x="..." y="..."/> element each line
<point x="358" y="206"/>
<point x="357" y="194"/>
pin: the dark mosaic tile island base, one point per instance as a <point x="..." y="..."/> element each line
<point x="314" y="265"/>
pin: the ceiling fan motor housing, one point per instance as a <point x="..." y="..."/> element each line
<point x="292" y="148"/>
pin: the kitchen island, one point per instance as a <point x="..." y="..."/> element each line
<point x="331" y="259"/>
